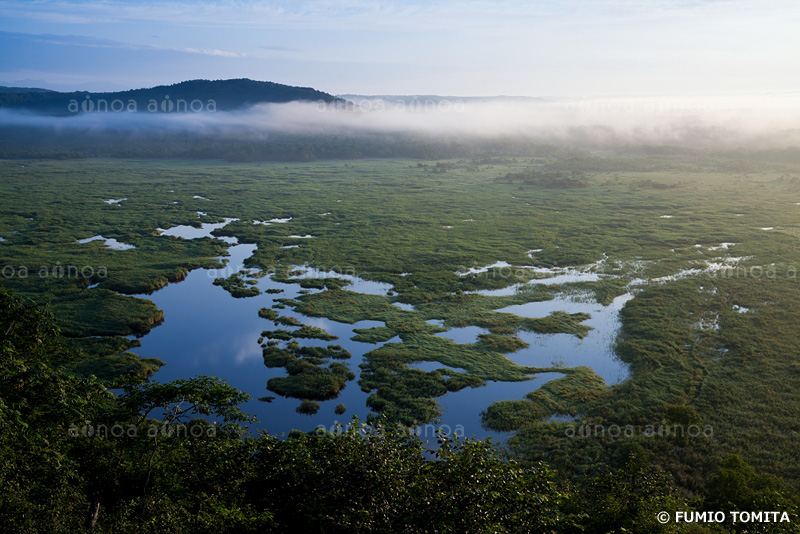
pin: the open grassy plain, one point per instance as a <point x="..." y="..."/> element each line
<point x="707" y="243"/>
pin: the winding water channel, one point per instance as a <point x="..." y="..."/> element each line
<point x="208" y="332"/>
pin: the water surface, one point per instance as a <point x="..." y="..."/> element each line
<point x="208" y="332"/>
<point x="595" y="350"/>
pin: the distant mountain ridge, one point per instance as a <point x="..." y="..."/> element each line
<point x="191" y="96"/>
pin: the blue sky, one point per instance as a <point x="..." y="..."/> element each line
<point x="572" y="48"/>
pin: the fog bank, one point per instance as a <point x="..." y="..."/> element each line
<point x="722" y="122"/>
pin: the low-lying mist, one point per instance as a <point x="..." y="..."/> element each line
<point x="710" y="122"/>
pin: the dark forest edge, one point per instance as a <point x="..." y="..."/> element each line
<point x="77" y="458"/>
<point x="69" y="143"/>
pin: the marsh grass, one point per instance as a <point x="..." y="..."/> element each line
<point x="308" y="407"/>
<point x="237" y="286"/>
<point x="266" y="313"/>
<point x="127" y="364"/>
<point x="429" y="222"/>
<point x="311" y="373"/>
<point x="377" y="334"/>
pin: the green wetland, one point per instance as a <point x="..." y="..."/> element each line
<point x="572" y="305"/>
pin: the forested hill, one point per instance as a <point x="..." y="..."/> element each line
<point x="184" y="97"/>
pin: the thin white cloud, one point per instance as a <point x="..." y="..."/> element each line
<point x="67" y="40"/>
<point x="90" y="42"/>
<point x="216" y="53"/>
